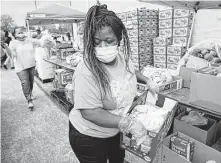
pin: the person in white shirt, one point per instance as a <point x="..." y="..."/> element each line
<point x="104" y="89"/>
<point x="23" y="52"/>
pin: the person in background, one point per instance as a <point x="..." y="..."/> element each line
<point x="7" y="41"/>
<point x="23" y="51"/>
<point x="5" y="52"/>
<point x="39" y="34"/>
<point x="69" y="36"/>
<point x="105" y="87"/>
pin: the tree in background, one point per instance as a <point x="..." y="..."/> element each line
<point x="7" y="23"/>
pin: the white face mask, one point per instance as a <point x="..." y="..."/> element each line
<point x="106" y="54"/>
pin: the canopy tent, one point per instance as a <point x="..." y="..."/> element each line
<point x="54" y="14"/>
<point x="191" y="4"/>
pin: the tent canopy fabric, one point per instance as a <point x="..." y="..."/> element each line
<point x="54" y="13"/>
<point x="191" y="4"/>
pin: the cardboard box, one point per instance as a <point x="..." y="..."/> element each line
<point x="166" y="14"/>
<point x="179" y="13"/>
<point x="202" y="153"/>
<point x="172" y="66"/>
<point x="174" y="50"/>
<point x="204" y="136"/>
<point x="181" y="31"/>
<point x="62" y="77"/>
<point x="160" y="58"/>
<point x="132" y="14"/>
<point x="167" y="23"/>
<point x="176" y="84"/>
<point x="159" y="50"/>
<point x="186" y="73"/>
<point x="63" y="53"/>
<point x="173" y="59"/>
<point x="205" y="92"/>
<point x="133" y="33"/>
<point x="156" y="139"/>
<point x="181" y="22"/>
<point x="180" y="41"/>
<point x="160" y="65"/>
<point x="162" y="41"/>
<point x="166" y="32"/>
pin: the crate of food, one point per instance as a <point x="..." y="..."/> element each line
<point x="63" y="53"/>
<point x="160" y="58"/>
<point x="159" y="50"/>
<point x="162" y="41"/>
<point x="174" y="50"/>
<point x="133" y="33"/>
<point x="166" y="14"/>
<point x="134" y="50"/>
<point x="62" y="78"/>
<point x="166" y="32"/>
<point x="69" y="93"/>
<point x="180" y="41"/>
<point x="167" y="23"/>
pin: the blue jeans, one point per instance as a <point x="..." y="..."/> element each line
<point x="95" y="150"/>
<point x="27" y="81"/>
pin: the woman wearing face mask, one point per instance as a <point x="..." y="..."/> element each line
<point x="23" y="52"/>
<point x="105" y="87"/>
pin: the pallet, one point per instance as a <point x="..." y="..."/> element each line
<point x="60" y="98"/>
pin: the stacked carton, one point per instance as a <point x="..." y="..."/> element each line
<point x="182" y="22"/>
<point x="166" y="23"/>
<point x="148" y="29"/>
<point x="160" y="51"/>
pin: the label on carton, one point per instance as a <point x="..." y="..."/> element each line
<point x="172" y="66"/>
<point x="162" y="41"/>
<point x="180" y="22"/>
<point x="181" y="41"/>
<point x="159" y="65"/>
<point x="165" y="23"/>
<point x="173" y="59"/>
<point x="178" y="13"/>
<point x="165" y="32"/>
<point x="66" y="78"/>
<point x="160" y="58"/>
<point x="165" y="14"/>
<point x="181" y="31"/>
<point x="175" y="50"/>
<point x="159" y="50"/>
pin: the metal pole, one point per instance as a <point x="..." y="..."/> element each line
<point x="36" y="4"/>
<point x="70" y="3"/>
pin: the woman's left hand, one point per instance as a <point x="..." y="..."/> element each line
<point x="152" y="86"/>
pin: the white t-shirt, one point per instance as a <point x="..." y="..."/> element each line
<point x="24" y="53"/>
<point x="88" y="96"/>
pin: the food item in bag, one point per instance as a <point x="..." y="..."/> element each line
<point x="195" y="118"/>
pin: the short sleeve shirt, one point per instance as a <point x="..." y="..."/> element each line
<point x="89" y="96"/>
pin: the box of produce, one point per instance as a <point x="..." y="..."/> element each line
<point x="164" y="110"/>
<point x="122" y="16"/>
<point x="162" y="41"/>
<point x="160" y="65"/>
<point x="175" y="50"/>
<point x="172" y="66"/>
<point x="133" y="33"/>
<point x="166" y="14"/>
<point x="159" y="50"/>
<point x="160" y="58"/>
<point x="152" y="13"/>
<point x="180" y="22"/>
<point x="179" y="13"/>
<point x="62" y="78"/>
<point x="173" y="59"/>
<point x="180" y="41"/>
<point x="135" y="58"/>
<point x="134" y="50"/>
<point x="167" y="23"/>
<point x="131" y="14"/>
<point x="166" y="32"/>
<point x="181" y="31"/>
<point x="199" y="152"/>
<point x="153" y="21"/>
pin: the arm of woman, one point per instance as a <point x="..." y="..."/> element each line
<point x="101" y="117"/>
<point x="12" y="48"/>
<point x="141" y="78"/>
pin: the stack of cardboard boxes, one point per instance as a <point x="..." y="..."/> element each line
<point x="174" y="32"/>
<point x="148" y="29"/>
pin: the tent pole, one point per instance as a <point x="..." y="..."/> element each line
<point x="191" y="31"/>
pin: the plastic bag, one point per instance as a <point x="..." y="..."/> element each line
<point x="203" y="48"/>
<point x="195" y="118"/>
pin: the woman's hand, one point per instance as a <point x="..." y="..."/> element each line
<point x="152" y="86"/>
<point x="133" y="126"/>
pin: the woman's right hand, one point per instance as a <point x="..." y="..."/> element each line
<point x="133" y="126"/>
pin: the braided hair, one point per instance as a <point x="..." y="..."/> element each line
<point x="97" y="18"/>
